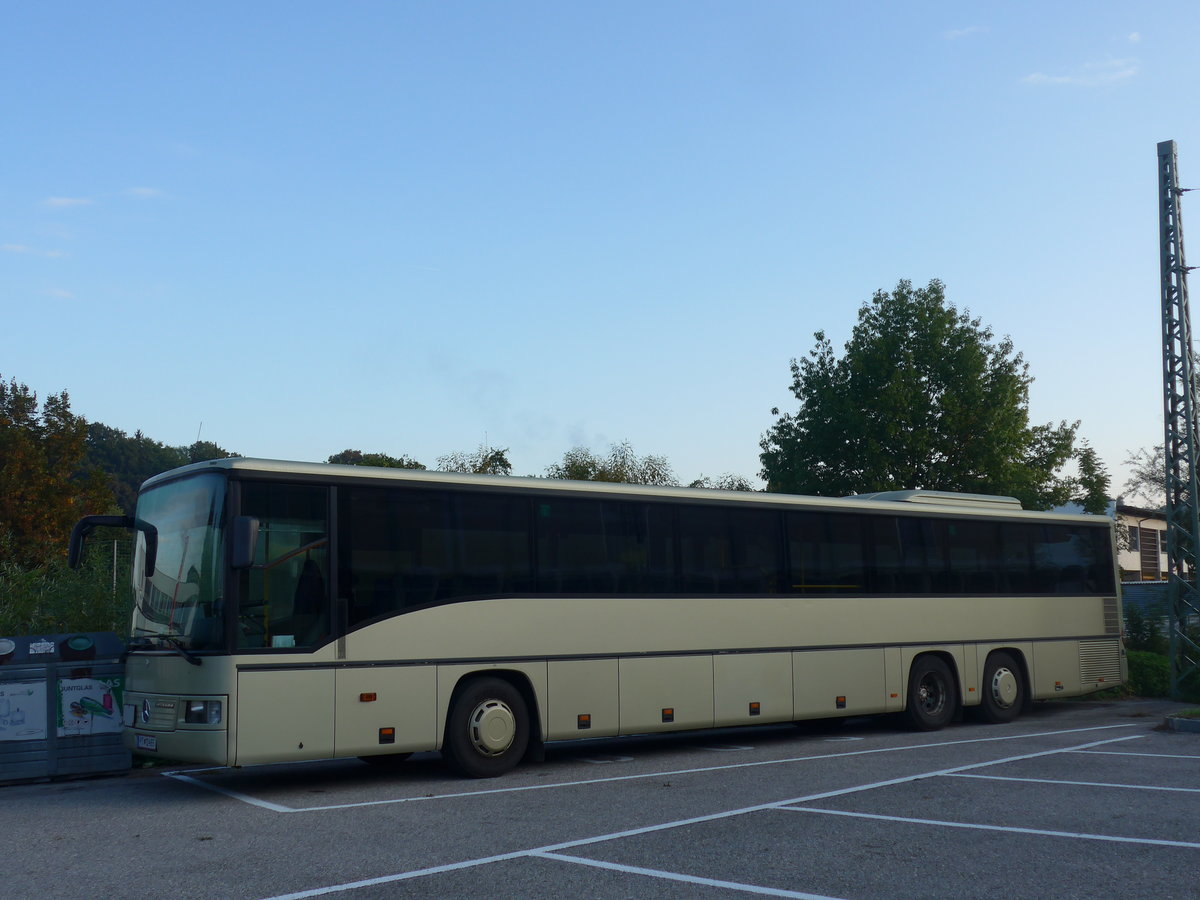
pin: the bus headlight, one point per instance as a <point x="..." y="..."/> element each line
<point x="202" y="712"/>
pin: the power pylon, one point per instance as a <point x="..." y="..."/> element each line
<point x="1182" y="439"/>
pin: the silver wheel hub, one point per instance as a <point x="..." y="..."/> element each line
<point x="1004" y="687"/>
<point x="492" y="727"/>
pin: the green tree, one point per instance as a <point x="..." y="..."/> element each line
<point x="358" y="458"/>
<point x="45" y="486"/>
<point x="1092" y="483"/>
<point x="128" y="461"/>
<point x="923" y="397"/>
<point x="484" y="460"/>
<point x="621" y="465"/>
<point x="202" y="451"/>
<point x="1148" y="476"/>
<point x="726" y="482"/>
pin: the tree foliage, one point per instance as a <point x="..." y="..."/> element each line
<point x="621" y="465"/>
<point x="923" y="397"/>
<point x="1090" y="486"/>
<point x="358" y="458"/>
<point x="53" y="598"/>
<point x="483" y="460"/>
<point x="45" y="486"/>
<point x="128" y="461"/>
<point x="1148" y="476"/>
<point x="726" y="482"/>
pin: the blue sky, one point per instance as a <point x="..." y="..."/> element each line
<point x="411" y="227"/>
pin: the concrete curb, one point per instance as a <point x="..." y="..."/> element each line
<point x="1178" y="723"/>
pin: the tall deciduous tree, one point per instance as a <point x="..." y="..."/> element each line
<point x="1148" y="476"/>
<point x="44" y="487"/>
<point x="923" y="397"/>
<point x="727" y="482"/>
<point x="483" y="460"/>
<point x="130" y="460"/>
<point x="621" y="465"/>
<point x="1092" y="483"/>
<point x="358" y="458"/>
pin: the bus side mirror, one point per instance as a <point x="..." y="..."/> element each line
<point x="84" y="526"/>
<point x="244" y="542"/>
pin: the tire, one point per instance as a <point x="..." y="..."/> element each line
<point x="487" y="730"/>
<point x="386" y="760"/>
<point x="1003" y="689"/>
<point x="932" y="696"/>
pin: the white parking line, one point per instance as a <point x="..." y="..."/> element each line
<point x="696" y="820"/>
<point x="973" y="825"/>
<point x="183" y="776"/>
<point x="1136" y="787"/>
<point x="236" y="795"/>
<point x="677" y="876"/>
<point x="1126" y="753"/>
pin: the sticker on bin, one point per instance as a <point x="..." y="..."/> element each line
<point x="146" y="742"/>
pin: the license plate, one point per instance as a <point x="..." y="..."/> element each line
<point x="146" y="742"/>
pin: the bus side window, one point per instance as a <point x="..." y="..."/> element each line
<point x="285" y="602"/>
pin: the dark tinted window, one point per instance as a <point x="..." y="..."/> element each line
<point x="396" y="549"/>
<point x="603" y="547"/>
<point x="285" y="596"/>
<point x="826" y="553"/>
<point x="492" y="552"/>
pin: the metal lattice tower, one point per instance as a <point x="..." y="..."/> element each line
<point x="1182" y="439"/>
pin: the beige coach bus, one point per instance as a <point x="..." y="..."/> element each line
<point x="299" y="611"/>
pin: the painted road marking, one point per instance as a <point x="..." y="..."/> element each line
<point x="1136" y="787"/>
<point x="1015" y="830"/>
<point x="695" y="820"/>
<point x="276" y="807"/>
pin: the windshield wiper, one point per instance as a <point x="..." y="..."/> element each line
<point x="146" y="642"/>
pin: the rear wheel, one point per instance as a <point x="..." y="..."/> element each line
<point x="932" y="698"/>
<point x="1003" y="689"/>
<point x="487" y="730"/>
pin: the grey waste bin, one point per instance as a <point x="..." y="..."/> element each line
<point x="60" y="706"/>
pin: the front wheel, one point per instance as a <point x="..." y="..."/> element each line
<point x="1003" y="689"/>
<point x="487" y="730"/>
<point x="932" y="698"/>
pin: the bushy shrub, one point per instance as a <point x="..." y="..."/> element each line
<point x="54" y="599"/>
<point x="1144" y="631"/>
<point x="1149" y="674"/>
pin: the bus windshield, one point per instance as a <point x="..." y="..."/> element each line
<point x="182" y="602"/>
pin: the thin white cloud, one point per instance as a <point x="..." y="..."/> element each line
<point x="1090" y="74"/>
<point x="955" y="34"/>
<point x="147" y="192"/>
<point x="1135" y="37"/>
<point x="59" y="294"/>
<point x="68" y="201"/>
<point x="26" y="250"/>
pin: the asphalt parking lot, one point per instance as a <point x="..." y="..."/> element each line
<point x="1075" y="800"/>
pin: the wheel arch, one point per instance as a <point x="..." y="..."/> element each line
<point x="520" y="680"/>
<point x="953" y="662"/>
<point x="1018" y="656"/>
